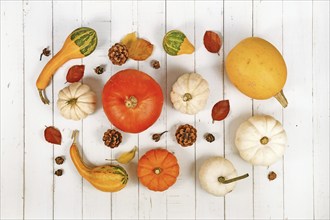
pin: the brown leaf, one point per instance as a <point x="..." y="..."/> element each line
<point x="140" y="49"/>
<point x="53" y="135"/>
<point x="220" y="110"/>
<point x="212" y="42"/>
<point x="75" y="73"/>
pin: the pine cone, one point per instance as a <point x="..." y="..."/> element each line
<point x="112" y="138"/>
<point x="186" y="135"/>
<point x="118" y="54"/>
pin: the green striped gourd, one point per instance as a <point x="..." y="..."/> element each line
<point x="80" y="43"/>
<point x="176" y="43"/>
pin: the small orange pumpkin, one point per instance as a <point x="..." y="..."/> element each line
<point x="158" y="169"/>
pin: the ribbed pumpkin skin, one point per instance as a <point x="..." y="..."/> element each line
<point x="86" y="39"/>
<point x="248" y="140"/>
<point x="158" y="159"/>
<point x="176" y="43"/>
<point x="256" y="68"/>
<point x="76" y="101"/>
<point x="132" y="83"/>
<point x="194" y="85"/>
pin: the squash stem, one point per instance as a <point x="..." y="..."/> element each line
<point x="157" y="170"/>
<point x="75" y="136"/>
<point x="281" y="98"/>
<point x="264" y="140"/>
<point x="187" y="97"/>
<point x="222" y="179"/>
<point x="72" y="101"/>
<point x="131" y="102"/>
<point x="43" y="97"/>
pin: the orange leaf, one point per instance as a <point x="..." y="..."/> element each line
<point x="212" y="42"/>
<point x="140" y="49"/>
<point x="53" y="135"/>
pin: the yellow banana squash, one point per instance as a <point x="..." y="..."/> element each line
<point x="107" y="178"/>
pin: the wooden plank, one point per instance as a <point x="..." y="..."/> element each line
<point x="96" y="14"/>
<point x="237" y="26"/>
<point x="321" y="108"/>
<point x="68" y="187"/>
<point x="124" y="21"/>
<point x="12" y="111"/>
<point x="38" y="200"/>
<point x="151" y="26"/>
<point x="297" y="51"/>
<point x="180" y="197"/>
<point x="210" y="66"/>
<point x="268" y="199"/>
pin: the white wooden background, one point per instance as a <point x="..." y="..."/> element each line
<point x="29" y="190"/>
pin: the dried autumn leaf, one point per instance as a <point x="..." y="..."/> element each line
<point x="140" y="49"/>
<point x="75" y="73"/>
<point x="126" y="157"/>
<point x="220" y="110"/>
<point x="53" y="135"/>
<point x="128" y="39"/>
<point x="212" y="42"/>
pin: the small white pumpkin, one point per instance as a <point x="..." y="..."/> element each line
<point x="76" y="101"/>
<point x="261" y="140"/>
<point x="190" y="93"/>
<point x="217" y="176"/>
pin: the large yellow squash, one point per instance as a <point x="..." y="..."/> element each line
<point x="257" y="69"/>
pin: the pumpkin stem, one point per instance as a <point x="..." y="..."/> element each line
<point x="264" y="140"/>
<point x="223" y="180"/>
<point x="187" y="97"/>
<point x="72" y="101"/>
<point x="281" y="98"/>
<point x="74" y="136"/>
<point x="131" y="102"/>
<point x="157" y="170"/>
<point x="43" y="97"/>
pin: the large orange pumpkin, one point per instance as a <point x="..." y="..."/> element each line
<point x="132" y="100"/>
<point x="158" y="169"/>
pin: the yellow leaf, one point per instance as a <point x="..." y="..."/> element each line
<point x="126" y="157"/>
<point x="140" y="49"/>
<point x="128" y="39"/>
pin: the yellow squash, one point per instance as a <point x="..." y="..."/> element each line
<point x="107" y="178"/>
<point x="257" y="69"/>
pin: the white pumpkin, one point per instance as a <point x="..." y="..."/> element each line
<point x="190" y="93"/>
<point x="76" y="101"/>
<point x="261" y="140"/>
<point x="217" y="176"/>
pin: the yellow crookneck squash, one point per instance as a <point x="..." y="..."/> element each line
<point x="257" y="69"/>
<point x="80" y="43"/>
